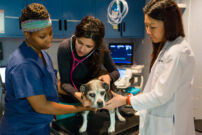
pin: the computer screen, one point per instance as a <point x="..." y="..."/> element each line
<point x="122" y="53"/>
<point x="2" y="73"/>
<point x="122" y="72"/>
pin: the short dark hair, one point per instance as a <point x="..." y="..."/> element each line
<point x="168" y="12"/>
<point x="34" y="11"/>
<point x="92" y="27"/>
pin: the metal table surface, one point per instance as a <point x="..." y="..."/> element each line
<point x="98" y="124"/>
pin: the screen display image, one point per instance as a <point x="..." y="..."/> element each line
<point x="2" y="73"/>
<point x="122" y="72"/>
<point x="122" y="53"/>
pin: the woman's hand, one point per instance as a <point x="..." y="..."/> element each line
<point x="105" y="78"/>
<point x="116" y="101"/>
<point x="91" y="109"/>
<point x="84" y="101"/>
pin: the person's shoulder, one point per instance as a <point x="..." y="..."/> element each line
<point x="15" y="64"/>
<point x="22" y="55"/>
<point x="180" y="48"/>
<point x="179" y="45"/>
<point x="17" y="56"/>
<point x="65" y="43"/>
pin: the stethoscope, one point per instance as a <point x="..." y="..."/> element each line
<point x="74" y="65"/>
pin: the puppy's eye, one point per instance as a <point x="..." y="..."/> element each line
<point x="102" y="93"/>
<point x="92" y="94"/>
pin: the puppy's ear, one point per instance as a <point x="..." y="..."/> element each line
<point x="105" y="86"/>
<point x="82" y="88"/>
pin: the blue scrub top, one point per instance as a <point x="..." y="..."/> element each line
<point x="26" y="75"/>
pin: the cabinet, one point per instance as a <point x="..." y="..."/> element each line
<point x="66" y="14"/>
<point x="12" y="12"/>
<point x="73" y="12"/>
<point x="101" y="13"/>
<point x="131" y="26"/>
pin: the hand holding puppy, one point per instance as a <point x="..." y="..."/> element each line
<point x="87" y="103"/>
<point x="116" y="101"/>
<point x="105" y="78"/>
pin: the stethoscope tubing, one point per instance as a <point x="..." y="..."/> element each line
<point x="74" y="64"/>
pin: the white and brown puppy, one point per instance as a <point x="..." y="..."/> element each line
<point x="98" y="93"/>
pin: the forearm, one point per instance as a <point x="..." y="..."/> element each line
<point x="41" y="105"/>
<point x="114" y="75"/>
<point x="57" y="109"/>
<point x="68" y="88"/>
<point x="145" y="101"/>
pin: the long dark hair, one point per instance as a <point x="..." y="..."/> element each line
<point x="168" y="12"/>
<point x="92" y="27"/>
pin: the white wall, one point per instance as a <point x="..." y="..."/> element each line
<point x="194" y="18"/>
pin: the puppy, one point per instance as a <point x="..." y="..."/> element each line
<point x="98" y="93"/>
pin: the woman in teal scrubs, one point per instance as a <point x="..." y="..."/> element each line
<point x="31" y="85"/>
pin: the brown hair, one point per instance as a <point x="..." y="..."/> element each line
<point x="34" y="11"/>
<point x="168" y="12"/>
<point x="92" y="27"/>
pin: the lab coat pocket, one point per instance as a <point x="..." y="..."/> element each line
<point x="158" y="125"/>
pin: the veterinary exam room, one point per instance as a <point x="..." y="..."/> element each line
<point x="98" y="67"/>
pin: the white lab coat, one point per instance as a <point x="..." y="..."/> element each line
<point x="165" y="106"/>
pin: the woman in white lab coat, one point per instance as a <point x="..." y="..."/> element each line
<point x="165" y="104"/>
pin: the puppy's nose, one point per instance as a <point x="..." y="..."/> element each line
<point x="100" y="104"/>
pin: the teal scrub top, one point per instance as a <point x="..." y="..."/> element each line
<point x="26" y="75"/>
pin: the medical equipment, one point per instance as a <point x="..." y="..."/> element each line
<point x="130" y="77"/>
<point x="2" y="86"/>
<point x="124" y="80"/>
<point x="122" y="53"/>
<point x="133" y="90"/>
<point x="116" y="12"/>
<point x="2" y="73"/>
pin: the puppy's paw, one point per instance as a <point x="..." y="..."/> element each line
<point x="82" y="130"/>
<point x="111" y="129"/>
<point x="122" y="119"/>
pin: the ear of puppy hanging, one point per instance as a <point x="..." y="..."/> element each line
<point x="105" y="86"/>
<point x="82" y="88"/>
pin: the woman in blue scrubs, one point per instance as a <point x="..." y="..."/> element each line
<point x="31" y="84"/>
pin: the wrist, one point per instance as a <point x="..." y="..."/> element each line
<point x="128" y="99"/>
<point x="82" y="108"/>
<point x="77" y="95"/>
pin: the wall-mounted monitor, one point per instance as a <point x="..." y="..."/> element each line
<point x="122" y="53"/>
<point x="2" y="73"/>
